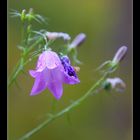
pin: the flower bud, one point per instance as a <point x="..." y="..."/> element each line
<point x="120" y="54"/>
<point x="114" y="83"/>
<point x="23" y="15"/>
<point x="79" y="39"/>
<point x="31" y="11"/>
<point x="55" y="35"/>
<point x="30" y="14"/>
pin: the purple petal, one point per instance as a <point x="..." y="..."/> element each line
<point x="48" y="59"/>
<point x="40" y="83"/>
<point x="69" y="74"/>
<point x="79" y="39"/>
<point x="56" y="88"/>
<point x="70" y="79"/>
<point x="55" y="82"/>
<point x="33" y="73"/>
<point x="120" y="54"/>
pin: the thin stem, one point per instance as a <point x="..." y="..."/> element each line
<point x="21" y="63"/>
<point x="16" y="72"/>
<point x="66" y="110"/>
<point x="33" y="45"/>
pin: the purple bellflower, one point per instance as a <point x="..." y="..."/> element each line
<point x="51" y="72"/>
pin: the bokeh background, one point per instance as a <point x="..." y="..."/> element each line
<point x="106" y="116"/>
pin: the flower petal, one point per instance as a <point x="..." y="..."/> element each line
<point x="56" y="88"/>
<point x="55" y="83"/>
<point x="40" y="83"/>
<point x="70" y="79"/>
<point x="48" y="59"/>
<point x="33" y="73"/>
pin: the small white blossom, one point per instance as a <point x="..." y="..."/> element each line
<point x="55" y="35"/>
<point x="116" y="83"/>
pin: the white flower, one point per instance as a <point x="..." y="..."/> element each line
<point x="116" y="83"/>
<point x="55" y="35"/>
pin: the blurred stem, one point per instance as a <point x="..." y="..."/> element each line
<point x="21" y="63"/>
<point x="33" y="45"/>
<point x="16" y="71"/>
<point x="24" y="34"/>
<point x="53" y="117"/>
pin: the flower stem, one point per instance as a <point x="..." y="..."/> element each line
<point x="21" y="63"/>
<point x="16" y="72"/>
<point x="53" y="117"/>
<point x="33" y="45"/>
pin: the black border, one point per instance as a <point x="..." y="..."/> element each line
<point x="3" y="70"/>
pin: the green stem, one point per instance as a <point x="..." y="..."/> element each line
<point x="16" y="72"/>
<point x="21" y="63"/>
<point x="66" y="110"/>
<point x="32" y="46"/>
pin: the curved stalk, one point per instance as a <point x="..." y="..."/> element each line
<point x="53" y="117"/>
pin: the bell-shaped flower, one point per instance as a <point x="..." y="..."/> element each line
<point x="51" y="73"/>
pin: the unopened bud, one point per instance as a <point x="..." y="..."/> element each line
<point x="120" y="54"/>
<point x="23" y="15"/>
<point x="55" y="35"/>
<point x="30" y="14"/>
<point x="79" y="39"/>
<point x="31" y="11"/>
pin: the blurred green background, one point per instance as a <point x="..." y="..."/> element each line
<point x="106" y="116"/>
